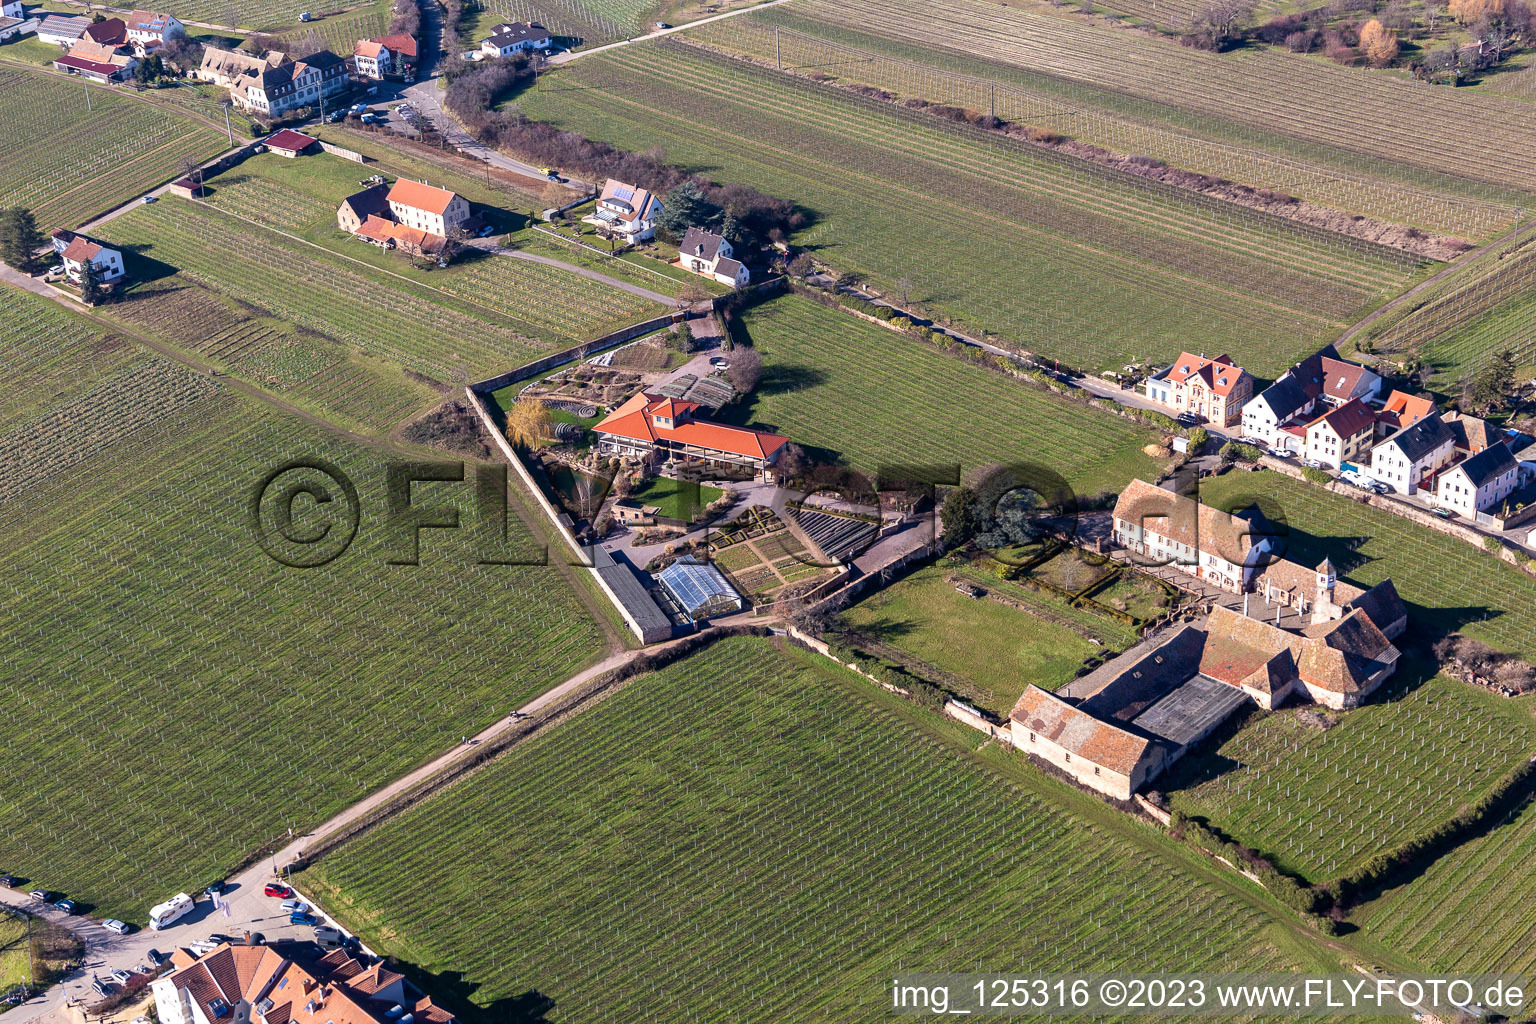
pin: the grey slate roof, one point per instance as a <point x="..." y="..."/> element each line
<point x="1489" y="464"/>
<point x="1285" y="396"/>
<point x="1423" y="437"/>
<point x="701" y="243"/>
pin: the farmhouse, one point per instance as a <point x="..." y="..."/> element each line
<point x="274" y="89"/>
<point x="433" y="211"/>
<point x="1479" y="482"/>
<point x="709" y="255"/>
<point x="626" y="210"/>
<point x="1278" y="417"/>
<point x="508" y="39"/>
<point x="1171" y="529"/>
<point x="386" y="56"/>
<point x="1341" y="434"/>
<point x="108" y="263"/>
<point x="1410" y="457"/>
<point x="1473" y="435"/>
<point x="653" y="426"/>
<point x="1344" y="382"/>
<point x="62" y="30"/>
<point x="358" y="207"/>
<point x="112" y="32"/>
<point x="149" y="30"/>
<point x="1212" y="389"/>
<point x="290" y="143"/>
<point x="98" y="62"/>
<point x="12" y="9"/>
<point x="286" y="983"/>
<point x="226" y="67"/>
<point x="1108" y="758"/>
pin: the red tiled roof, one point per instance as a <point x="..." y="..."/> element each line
<point x="376" y="228"/>
<point x="1349" y="419"/>
<point x="81" y="64"/>
<point x="368" y="48"/>
<point x="635" y="419"/>
<point x="290" y="140"/>
<point x="420" y="197"/>
<point x="1340" y="378"/>
<point x="1408" y="409"/>
<point x="400" y="43"/>
<point x="1078" y="732"/>
<point x="1185" y="521"/>
<point x="82" y="249"/>
<point x="1219" y="375"/>
<point x="111" y="31"/>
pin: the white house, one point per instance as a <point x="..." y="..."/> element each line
<point x="149" y="30"/>
<point x="385" y="56"/>
<point x="62" y="29"/>
<point x="1166" y="528"/>
<point x="710" y="255"/>
<point x="1278" y="406"/>
<point x="1409" y="457"/>
<point x="426" y="208"/>
<point x="1341" y="434"/>
<point x="12" y="9"/>
<point x="508" y="39"/>
<point x="108" y="263"/>
<point x="626" y="210"/>
<point x="1480" y="482"/>
<point x="275" y="89"/>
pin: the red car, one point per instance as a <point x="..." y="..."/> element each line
<point x="282" y="892"/>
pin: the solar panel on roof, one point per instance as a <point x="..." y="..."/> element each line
<point x="626" y="193"/>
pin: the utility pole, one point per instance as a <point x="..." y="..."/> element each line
<point x="778" y="56"/>
<point x="87" y="86"/>
<point x="227" y="128"/>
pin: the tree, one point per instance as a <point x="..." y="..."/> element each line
<point x="528" y="422"/>
<point x="1469" y="12"/>
<point x="19" y="238"/>
<point x="746" y="369"/>
<point x="555" y="196"/>
<point x="1197" y="439"/>
<point x="904" y="290"/>
<point x="960" y="514"/>
<point x="1378" y="43"/>
<point x="1217" y="21"/>
<point x="802" y="266"/>
<point x="90" y="288"/>
<point x="1489" y="387"/>
<point x="686" y="207"/>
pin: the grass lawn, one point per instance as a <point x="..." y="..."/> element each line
<point x="1322" y="801"/>
<point x="873" y="398"/>
<point x="1447" y="584"/>
<point x="678" y="499"/>
<point x="174" y="672"/>
<point x="997" y="649"/>
<point x="773" y="858"/>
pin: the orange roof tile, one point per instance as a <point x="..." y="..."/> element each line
<point x="421" y="197"/>
<point x="1078" y="732"/>
<point x="635" y="419"/>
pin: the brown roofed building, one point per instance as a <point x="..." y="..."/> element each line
<point x="1342" y="434"/>
<point x="1102" y="756"/>
<point x="1169" y="529"/>
<point x="1211" y="389"/>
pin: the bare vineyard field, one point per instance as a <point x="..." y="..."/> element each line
<point x="1084" y="119"/>
<point x="1322" y="801"/>
<point x="1487" y="306"/>
<point x="588" y="22"/>
<point x="149" y="645"/>
<point x="425" y="329"/>
<point x="878" y="399"/>
<point x="74" y="162"/>
<point x="1117" y="270"/>
<point x="1382" y="117"/>
<point x="775" y="859"/>
<point x="339" y="33"/>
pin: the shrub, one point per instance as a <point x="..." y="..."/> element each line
<point x="1315" y="476"/>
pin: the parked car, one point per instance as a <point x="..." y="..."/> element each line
<point x="277" y="889"/>
<point x="371" y="118"/>
<point x="203" y="947"/>
<point x="57" y="268"/>
<point x="1311" y="463"/>
<point x="1278" y="453"/>
<point x="1443" y="513"/>
<point x="337" y="116"/>
<point x="487" y="231"/>
<point x="294" y="906"/>
<point x="303" y="917"/>
<point x="328" y="937"/>
<point x="96" y="983"/>
<point x="67" y="905"/>
<point x="145" y="969"/>
<point x="358" y="108"/>
<point x="156" y="957"/>
<point x="1186" y="419"/>
<point x="216" y="889"/>
<point x="115" y="926"/>
<point x="218" y="937"/>
<point x="9" y="881"/>
<point x="662" y="24"/>
<point x="1245" y="439"/>
<point x="1377" y="487"/>
<point x="120" y="976"/>
<point x="149" y="199"/>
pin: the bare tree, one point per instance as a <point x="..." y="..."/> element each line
<point x="904" y="289"/>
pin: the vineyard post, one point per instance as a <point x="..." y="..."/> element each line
<point x="778" y="55"/>
<point x="87" y="87"/>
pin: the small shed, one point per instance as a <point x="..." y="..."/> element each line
<point x="188" y="189"/>
<point x="699" y="588"/>
<point x="289" y="143"/>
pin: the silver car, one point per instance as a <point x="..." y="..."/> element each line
<point x="115" y="926"/>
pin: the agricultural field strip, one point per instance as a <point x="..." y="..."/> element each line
<point x="1324" y="801"/>
<point x="1374" y="196"/>
<point x="1463" y="913"/>
<point x="1273" y="90"/>
<point x="1120" y="197"/>
<point x="916" y="384"/>
<point x="1109" y="306"/>
<point x="184" y="621"/>
<point x="1512" y="326"/>
<point x="1440" y="574"/>
<point x="578" y="17"/>
<point x="775" y="851"/>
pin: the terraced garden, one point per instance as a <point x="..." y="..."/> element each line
<point x="1447" y="584"/>
<point x="1381" y="117"/>
<point x="1467" y="911"/>
<point x="421" y="327"/>
<point x="774" y="860"/>
<point x="876" y="398"/>
<point x="151" y="647"/>
<point x="1323" y="801"/>
<point x="72" y="162"/>
<point x="1118" y="270"/>
<point x="1087" y="115"/>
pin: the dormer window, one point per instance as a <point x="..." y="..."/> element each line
<point x="219" y="1008"/>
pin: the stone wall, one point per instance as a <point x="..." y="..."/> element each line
<point x="581" y="351"/>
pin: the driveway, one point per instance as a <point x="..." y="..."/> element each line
<point x="486" y="245"/>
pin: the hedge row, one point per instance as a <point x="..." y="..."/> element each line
<point x="921" y="691"/>
<point x="1297" y="895"/>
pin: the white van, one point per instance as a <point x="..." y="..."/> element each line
<point x="172" y="910"/>
<point x="329" y="938"/>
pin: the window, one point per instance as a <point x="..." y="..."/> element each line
<point x="1095" y="769"/>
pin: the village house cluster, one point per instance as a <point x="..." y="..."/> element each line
<point x="1330" y="413"/>
<point x="108" y="50"/>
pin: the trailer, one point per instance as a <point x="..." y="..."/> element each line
<point x="172" y="910"/>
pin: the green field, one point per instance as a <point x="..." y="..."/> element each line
<point x="995" y="650"/>
<point x="193" y="698"/>
<point x="873" y="397"/>
<point x="72" y="162"/>
<point x="1323" y="801"/>
<point x="1447" y="585"/>
<point x="1468" y="911"/>
<point x="1117" y="270"/>
<point x="673" y="497"/>
<point x="774" y="859"/>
